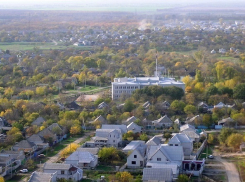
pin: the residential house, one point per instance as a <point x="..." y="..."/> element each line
<point x="220" y="105"/>
<point x="136" y="151"/>
<point x="49" y="136"/>
<point x="103" y="105"/>
<point x="183" y="140"/>
<point x="174" y="166"/>
<point x="65" y="171"/>
<point x="93" y="151"/>
<point x="166" y="105"/>
<point x="82" y="159"/>
<point x="193" y="167"/>
<point x="100" y="120"/>
<point x="130" y="120"/>
<point x="192" y="134"/>
<point x="227" y="122"/>
<point x="187" y="127"/>
<point x="177" y="122"/>
<point x="213" y="52"/>
<point x="157" y="175"/>
<point x="154" y="141"/>
<point x="43" y="177"/>
<point x="194" y="120"/>
<point x="10" y="160"/>
<point x="39" y="121"/>
<point x="146" y="105"/>
<point x="38" y="140"/>
<point x="26" y="146"/>
<point x="165" y="154"/>
<point x="134" y="127"/>
<point x="122" y="128"/>
<point x="203" y="107"/>
<point x="73" y="106"/>
<point x="163" y="122"/>
<point x="108" y="137"/>
<point x="4" y="125"/>
<point x="59" y="131"/>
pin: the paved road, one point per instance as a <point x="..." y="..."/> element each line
<point x="79" y="140"/>
<point x="231" y="171"/>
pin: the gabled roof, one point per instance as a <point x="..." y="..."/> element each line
<point x="187" y="127"/>
<point x="173" y="166"/>
<point x="102" y="105"/>
<point x="81" y="157"/>
<point x="105" y="132"/>
<point x="157" y="174"/>
<point x="46" y="132"/>
<point x="177" y="121"/>
<point x="35" y="138"/>
<point x="180" y="138"/>
<point x="146" y="104"/>
<point x="226" y="120"/>
<point x="166" y="103"/>
<point x="202" y="104"/>
<point x="93" y="151"/>
<point x="59" y="166"/>
<point x="191" y="120"/>
<point x="73" y="105"/>
<point x="163" y="119"/>
<point x="56" y="125"/>
<point x="25" y="144"/>
<point x="123" y="128"/>
<point x="172" y="153"/>
<point x="133" y="145"/>
<point x="41" y="177"/>
<point x="39" y="121"/>
<point x="133" y="126"/>
<point x="154" y="141"/>
<point x="131" y="119"/>
<point x="191" y="134"/>
<point x="101" y="119"/>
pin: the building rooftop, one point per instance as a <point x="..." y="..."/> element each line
<point x="157" y="174"/>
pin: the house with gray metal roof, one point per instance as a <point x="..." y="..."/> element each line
<point x="41" y="177"/>
<point x="134" y="127"/>
<point x="66" y="171"/>
<point x="163" y="122"/>
<point x="181" y="139"/>
<point x="26" y="146"/>
<point x="39" y="121"/>
<point x="82" y="159"/>
<point x="157" y="175"/>
<point x="107" y="137"/>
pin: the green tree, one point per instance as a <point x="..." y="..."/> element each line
<point x="182" y="178"/>
<point x="128" y="106"/>
<point x="190" y="109"/>
<point x="177" y="106"/>
<point x="224" y="134"/>
<point x="207" y="120"/>
<point x="210" y="138"/>
<point x="144" y="137"/>
<point x="235" y="140"/>
<point x="239" y="91"/>
<point x="108" y="154"/>
<point x="124" y="176"/>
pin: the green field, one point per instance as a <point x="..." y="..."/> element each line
<point x="15" y="46"/>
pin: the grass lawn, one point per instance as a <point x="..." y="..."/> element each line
<point x="206" y="152"/>
<point x="105" y="168"/>
<point x="16" y="178"/>
<point x="41" y="45"/>
<point x="89" y="88"/>
<point x="240" y="164"/>
<point x="55" y="150"/>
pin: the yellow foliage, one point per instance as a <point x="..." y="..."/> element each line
<point x="230" y="83"/>
<point x="188" y="89"/>
<point x="199" y="87"/>
<point x="187" y="80"/>
<point x="41" y="128"/>
<point x="219" y="84"/>
<point x="1" y="179"/>
<point x="69" y="149"/>
<point x="178" y="64"/>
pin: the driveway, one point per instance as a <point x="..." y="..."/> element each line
<point x="231" y="170"/>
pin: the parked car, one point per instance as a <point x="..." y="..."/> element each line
<point x="41" y="155"/>
<point x="24" y="170"/>
<point x="210" y="156"/>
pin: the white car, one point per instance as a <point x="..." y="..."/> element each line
<point x="210" y="156"/>
<point x="24" y="170"/>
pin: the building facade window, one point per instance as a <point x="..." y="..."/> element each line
<point x="159" y="159"/>
<point x="135" y="156"/>
<point x="133" y="162"/>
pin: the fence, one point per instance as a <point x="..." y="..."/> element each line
<point x="201" y="148"/>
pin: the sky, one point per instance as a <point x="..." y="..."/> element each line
<point x="36" y="4"/>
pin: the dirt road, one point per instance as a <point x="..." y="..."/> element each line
<point x="231" y="170"/>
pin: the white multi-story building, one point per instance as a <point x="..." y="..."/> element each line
<point x="128" y="85"/>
